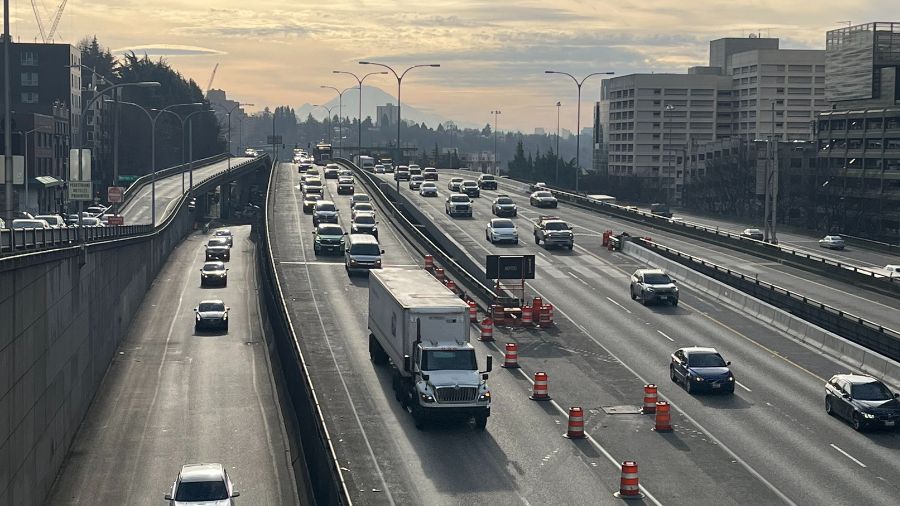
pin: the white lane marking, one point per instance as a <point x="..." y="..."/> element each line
<point x="620" y="305"/>
<point x="585" y="283"/>
<point x="315" y="301"/>
<point x="336" y="264"/>
<point x="742" y="386"/>
<point x="664" y="335"/>
<point x="851" y="457"/>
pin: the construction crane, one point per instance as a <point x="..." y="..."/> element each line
<point x="213" y="76"/>
<point x="47" y="36"/>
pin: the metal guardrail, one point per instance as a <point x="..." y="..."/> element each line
<point x="877" y="338"/>
<point x="142" y="181"/>
<point x="32" y="240"/>
<point x="420" y="241"/>
<point x="850" y="273"/>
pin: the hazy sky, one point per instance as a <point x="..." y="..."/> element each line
<point x="492" y="53"/>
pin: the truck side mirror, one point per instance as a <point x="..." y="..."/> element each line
<point x="490" y="363"/>
<point x="406" y="363"/>
<point x="485" y="376"/>
<point x="168" y="497"/>
<point x="425" y="377"/>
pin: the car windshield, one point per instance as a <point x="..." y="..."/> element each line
<point x="874" y="391"/>
<point x="504" y="200"/>
<point x="657" y="279"/>
<point x="360" y="198"/>
<point x="313" y="182"/>
<point x="417" y="178"/>
<point x="218" y="242"/>
<point x="312" y="196"/>
<point x="365" y="220"/>
<point x="543" y="195"/>
<point x="487" y="178"/>
<point x="429" y="170"/>
<point x="429" y="185"/>
<point x="470" y="183"/>
<point x="449" y="360"/>
<point x="363" y="207"/>
<point x="197" y="491"/>
<point x="90" y="221"/>
<point x="211" y="306"/>
<point x="223" y="233"/>
<point x="556" y="225"/>
<point x="213" y="267"/>
<point x="316" y="190"/>
<point x="332" y="230"/>
<point x="365" y="249"/>
<point x="502" y="224"/>
<point x="456" y="180"/>
<point x="705" y="360"/>
<point x="459" y="198"/>
<point x="325" y="206"/>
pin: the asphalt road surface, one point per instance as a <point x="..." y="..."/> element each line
<point x="172" y="396"/>
<point x="779" y="445"/>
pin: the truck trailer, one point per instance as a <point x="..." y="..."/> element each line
<point x="421" y="330"/>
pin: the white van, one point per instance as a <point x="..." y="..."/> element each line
<point x="362" y="253"/>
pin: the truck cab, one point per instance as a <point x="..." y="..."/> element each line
<point x="553" y="231"/>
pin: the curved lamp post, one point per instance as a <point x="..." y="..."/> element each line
<point x="359" y="124"/>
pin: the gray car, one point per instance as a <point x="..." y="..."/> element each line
<point x="206" y="484"/>
<point x="211" y="314"/>
<point x="653" y="285"/>
<point x="214" y="273"/>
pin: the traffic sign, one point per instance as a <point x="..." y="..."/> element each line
<point x="274" y="139"/>
<point x="115" y="220"/>
<point x="80" y="190"/>
<point x="114" y="194"/>
<point x="510" y="267"/>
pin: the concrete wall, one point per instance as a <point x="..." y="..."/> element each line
<point x="62" y="316"/>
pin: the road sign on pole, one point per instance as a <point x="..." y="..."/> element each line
<point x="115" y="220"/>
<point x="510" y="267"/>
<point x="274" y="139"/>
<point x="80" y="190"/>
<point x="114" y="194"/>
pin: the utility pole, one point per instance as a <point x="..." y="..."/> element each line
<point x="558" y="104"/>
<point x="7" y="120"/>
<point x="496" y="161"/>
<point x="669" y="108"/>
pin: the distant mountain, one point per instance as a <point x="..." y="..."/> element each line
<point x="372" y="98"/>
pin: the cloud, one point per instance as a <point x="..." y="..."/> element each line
<point x="167" y="50"/>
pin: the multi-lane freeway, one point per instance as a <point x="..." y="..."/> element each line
<point x="778" y="443"/>
<point x="174" y="396"/>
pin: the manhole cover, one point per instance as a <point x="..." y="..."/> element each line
<point x="621" y="410"/>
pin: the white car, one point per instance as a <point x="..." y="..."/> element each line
<point x="428" y="189"/>
<point x="358" y="198"/>
<point x="501" y="230"/>
<point x="26" y="224"/>
<point x="379" y="169"/>
<point x="415" y="182"/>
<point x="454" y="184"/>
<point x="362" y="207"/>
<point x="54" y="220"/>
<point x="206" y="484"/>
<point x="892" y="270"/>
<point x="831" y="242"/>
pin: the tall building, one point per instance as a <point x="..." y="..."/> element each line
<point x="232" y="128"/>
<point x="386" y="115"/>
<point x="652" y="118"/>
<point x="599" y="158"/>
<point x="862" y="64"/>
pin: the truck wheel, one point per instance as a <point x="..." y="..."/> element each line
<point x="374" y="350"/>
<point x="418" y="419"/>
<point x="536" y="240"/>
<point x="481" y="422"/>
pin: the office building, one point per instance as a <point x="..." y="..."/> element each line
<point x="599" y="158"/>
<point x="386" y="115"/>
<point x="222" y="105"/>
<point x="862" y="64"/>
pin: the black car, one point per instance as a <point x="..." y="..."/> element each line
<point x="470" y="188"/>
<point x="504" y="206"/>
<point x="653" y="285"/>
<point x="345" y="185"/>
<point x="213" y="273"/>
<point x="701" y="369"/>
<point x="329" y="238"/>
<point x="331" y="172"/>
<point x="211" y="314"/>
<point x="863" y="401"/>
<point x="218" y="249"/>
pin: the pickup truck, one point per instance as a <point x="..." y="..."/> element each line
<point x="553" y="232"/>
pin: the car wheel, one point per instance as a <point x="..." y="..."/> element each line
<point x="643" y="298"/>
<point x="672" y="374"/>
<point x="828" y="408"/>
<point x="571" y="246"/>
<point x="225" y="327"/>
<point x="688" y="385"/>
<point x="675" y="303"/>
<point x="488" y="237"/>
<point x="225" y="284"/>
<point x="856" y="421"/>
<point x="536" y="240"/>
<point x="631" y="291"/>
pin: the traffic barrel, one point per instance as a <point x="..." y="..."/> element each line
<point x="537" y="302"/>
<point x="663" y="417"/>
<point x="605" y="239"/>
<point x="526" y="316"/>
<point x="451" y="285"/>
<point x="650" y="398"/>
<point x="497" y="313"/>
<point x="629" y="485"/>
<point x="576" y="423"/>
<point x="429" y="262"/>
<point x="539" y="391"/>
<point x="439" y="274"/>
<point x="487" y="330"/>
<point x="648" y="239"/>
<point x="511" y="356"/>
<point x="473" y="311"/>
<point x="547" y="315"/>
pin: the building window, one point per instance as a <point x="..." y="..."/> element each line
<point x="29" y="78"/>
<point x="800" y="68"/>
<point x="29" y="58"/>
<point x="29" y="97"/>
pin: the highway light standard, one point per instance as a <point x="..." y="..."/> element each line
<point x="578" y="125"/>
<point x="359" y="124"/>
<point x="340" y="112"/>
<point x="330" y="129"/>
<point x="495" y="114"/>
<point x="558" y="105"/>
<point x="228" y="112"/>
<point x="399" y="77"/>
<point x="153" y="119"/>
<point x="190" y="136"/>
<point x="669" y="110"/>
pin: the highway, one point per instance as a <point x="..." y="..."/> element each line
<point x="590" y="225"/>
<point x="779" y="444"/>
<point x="172" y="396"/>
<point x="168" y="190"/>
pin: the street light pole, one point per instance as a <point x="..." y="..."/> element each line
<point x="228" y="115"/>
<point x="496" y="162"/>
<point x="359" y="123"/>
<point x="669" y="108"/>
<point x="330" y="129"/>
<point x="578" y="124"/>
<point x="558" y="105"/>
<point x="399" y="82"/>
<point x="7" y="121"/>
<point x="340" y="112"/>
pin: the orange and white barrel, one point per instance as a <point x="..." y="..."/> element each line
<point x="540" y="391"/>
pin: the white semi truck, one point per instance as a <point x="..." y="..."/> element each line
<point x="422" y="329"/>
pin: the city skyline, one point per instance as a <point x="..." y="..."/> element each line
<point x="491" y="57"/>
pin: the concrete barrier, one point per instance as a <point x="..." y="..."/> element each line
<point x="833" y="345"/>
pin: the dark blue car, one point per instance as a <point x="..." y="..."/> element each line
<point x="863" y="401"/>
<point x="701" y="370"/>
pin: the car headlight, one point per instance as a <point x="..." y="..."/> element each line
<point x="868" y="415"/>
<point x="731" y="378"/>
<point x="378" y="262"/>
<point x="485" y="396"/>
<point x="198" y="316"/>
<point x="225" y="316"/>
<point x="426" y="397"/>
<point x="675" y="289"/>
<point x="649" y="288"/>
<point x="698" y="378"/>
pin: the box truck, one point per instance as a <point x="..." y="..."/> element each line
<point x="421" y="329"/>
